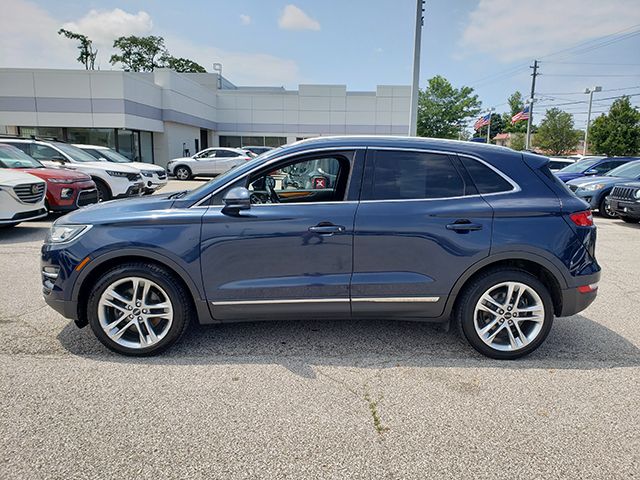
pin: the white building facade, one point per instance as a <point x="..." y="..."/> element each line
<point x="154" y="117"/>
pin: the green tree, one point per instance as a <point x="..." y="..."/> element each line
<point x="517" y="141"/>
<point x="181" y="65"/>
<point x="139" y="54"/>
<point x="618" y="132"/>
<point x="87" y="55"/>
<point x="442" y="108"/>
<point x="516" y="104"/>
<point x="556" y="133"/>
<point x="497" y="126"/>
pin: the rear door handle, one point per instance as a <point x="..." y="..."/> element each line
<point x="464" y="226"/>
<point x="327" y="229"/>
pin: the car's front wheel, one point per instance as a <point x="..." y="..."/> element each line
<point x="505" y="313"/>
<point x="605" y="209"/>
<point x="138" y="309"/>
<point x="182" y="173"/>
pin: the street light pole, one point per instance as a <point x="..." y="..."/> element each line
<point x="413" y="109"/>
<point x="489" y="126"/>
<point x="590" y="91"/>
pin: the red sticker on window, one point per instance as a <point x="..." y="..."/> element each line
<point x="319" y="183"/>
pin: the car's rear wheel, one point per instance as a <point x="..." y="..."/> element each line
<point x="182" y="173"/>
<point x="605" y="209"/>
<point x="138" y="309"/>
<point x="505" y="313"/>
<point x="626" y="219"/>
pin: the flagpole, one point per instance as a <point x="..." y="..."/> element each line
<point x="489" y="127"/>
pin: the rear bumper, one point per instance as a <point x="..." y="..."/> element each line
<point x="574" y="301"/>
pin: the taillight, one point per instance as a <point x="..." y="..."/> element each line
<point x="588" y="288"/>
<point x="582" y="219"/>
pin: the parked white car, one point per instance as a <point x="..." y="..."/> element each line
<point x="21" y="197"/>
<point x="112" y="180"/>
<point x="558" y="163"/>
<point x="154" y="176"/>
<point x="207" y="163"/>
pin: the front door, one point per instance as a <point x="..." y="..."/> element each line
<point x="419" y="226"/>
<point x="290" y="255"/>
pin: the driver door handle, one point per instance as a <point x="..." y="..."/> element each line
<point x="326" y="228"/>
<point x="463" y="226"/>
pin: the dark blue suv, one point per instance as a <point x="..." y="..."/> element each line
<point x="401" y="228"/>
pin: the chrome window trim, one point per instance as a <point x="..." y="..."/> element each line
<point x="278" y="159"/>
<point x="515" y="187"/>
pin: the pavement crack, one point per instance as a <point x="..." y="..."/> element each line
<point x="375" y="414"/>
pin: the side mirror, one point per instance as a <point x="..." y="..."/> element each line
<point x="591" y="172"/>
<point x="59" y="159"/>
<point x="236" y="199"/>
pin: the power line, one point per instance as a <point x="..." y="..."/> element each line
<point x="595" y="63"/>
<point x="582" y="93"/>
<point x="592" y="75"/>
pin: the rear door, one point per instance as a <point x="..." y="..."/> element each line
<point x="420" y="224"/>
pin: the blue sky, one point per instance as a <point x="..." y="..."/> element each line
<point x="486" y="44"/>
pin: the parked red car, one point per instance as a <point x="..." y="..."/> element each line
<point x="66" y="189"/>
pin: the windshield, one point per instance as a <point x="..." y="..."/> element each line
<point x="220" y="180"/>
<point x="12" y="157"/>
<point x="628" y="170"/>
<point x="111" y="156"/>
<point x="74" y="152"/>
<point x="579" y="167"/>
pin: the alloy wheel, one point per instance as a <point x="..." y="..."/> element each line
<point x="182" y="174"/>
<point x="135" y="312"/>
<point x="509" y="316"/>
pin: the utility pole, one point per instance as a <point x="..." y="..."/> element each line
<point x="531" y="100"/>
<point x="413" y="109"/>
<point x="590" y="91"/>
<point x="489" y="126"/>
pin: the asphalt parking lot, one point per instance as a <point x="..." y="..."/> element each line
<point x="339" y="399"/>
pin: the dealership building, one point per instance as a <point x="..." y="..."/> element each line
<point x="153" y="117"/>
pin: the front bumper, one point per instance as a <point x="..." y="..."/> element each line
<point x="132" y="191"/>
<point x="625" y="208"/>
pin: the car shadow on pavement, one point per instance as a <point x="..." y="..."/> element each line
<point x="23" y="233"/>
<point x="574" y="343"/>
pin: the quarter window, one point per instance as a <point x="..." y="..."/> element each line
<point x="414" y="175"/>
<point x="486" y="180"/>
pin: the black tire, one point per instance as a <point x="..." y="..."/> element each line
<point x="626" y="219"/>
<point x="470" y="296"/>
<point x="182" y="173"/>
<point x="604" y="211"/>
<point x="104" y="192"/>
<point x="177" y="293"/>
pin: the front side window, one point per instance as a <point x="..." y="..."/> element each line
<point x="627" y="170"/>
<point x="75" y="153"/>
<point x="309" y="180"/>
<point x="43" y="152"/>
<point x="604" y="167"/>
<point x="399" y="175"/>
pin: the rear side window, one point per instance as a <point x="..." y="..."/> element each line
<point x="486" y="180"/>
<point x="399" y="175"/>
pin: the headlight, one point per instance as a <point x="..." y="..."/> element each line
<point x="117" y="174"/>
<point x="595" y="186"/>
<point x="637" y="194"/>
<point x="147" y="173"/>
<point x="66" y="233"/>
<point x="59" y="180"/>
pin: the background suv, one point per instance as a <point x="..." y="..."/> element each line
<point x="66" y="189"/>
<point x="625" y="201"/>
<point x="415" y="229"/>
<point x="112" y="180"/>
<point x="208" y="163"/>
<point x="590" y="166"/>
<point x="154" y="176"/>
<point x="595" y="189"/>
<point x="21" y="197"/>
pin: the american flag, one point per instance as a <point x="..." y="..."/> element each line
<point x="482" y="121"/>
<point x="523" y="115"/>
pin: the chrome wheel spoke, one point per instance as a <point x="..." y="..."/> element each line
<point x="135" y="322"/>
<point x="505" y="326"/>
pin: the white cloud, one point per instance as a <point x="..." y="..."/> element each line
<point x="245" y="19"/>
<point x="241" y="68"/>
<point x="104" y="26"/>
<point x="28" y="38"/>
<point x="293" y="18"/>
<point x="512" y="31"/>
